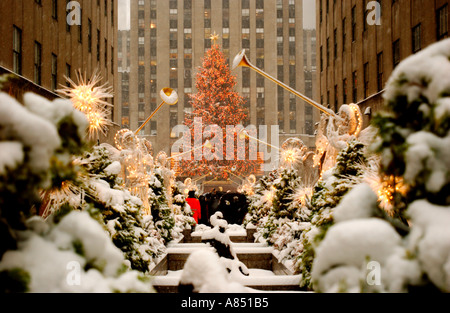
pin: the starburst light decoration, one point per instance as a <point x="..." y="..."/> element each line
<point x="89" y="97"/>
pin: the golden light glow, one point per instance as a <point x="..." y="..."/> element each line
<point x="302" y="194"/>
<point x="88" y="98"/>
<point x="386" y="188"/>
<point x="359" y="120"/>
<point x="289" y="156"/>
<point x="214" y="37"/>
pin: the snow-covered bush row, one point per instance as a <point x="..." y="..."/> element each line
<point x="356" y="238"/>
<point x="71" y="251"/>
<point x="74" y="255"/>
<point x="121" y="212"/>
<point x="413" y="141"/>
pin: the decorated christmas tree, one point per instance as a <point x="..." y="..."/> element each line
<point x="216" y="103"/>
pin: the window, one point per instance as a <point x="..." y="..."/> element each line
<point x="344" y="90"/>
<point x="54" y="82"/>
<point x="355" y="86"/>
<point x="37" y="63"/>
<point x="68" y="73"/>
<point x="153" y="128"/>
<point x="98" y="45"/>
<point x="17" y="50"/>
<point x="321" y="59"/>
<point x="335" y="44"/>
<point x="396" y="52"/>
<point x="67" y="12"/>
<point x="344" y="34"/>
<point x="112" y="60"/>
<point x="416" y="38"/>
<point x="106" y="53"/>
<point x="80" y="27"/>
<point x="245" y="77"/>
<point x="354" y="23"/>
<point x="380" y="78"/>
<point x="336" y="97"/>
<point x="442" y="22"/>
<point x="89" y="35"/>
<point x="55" y="9"/>
<point x="366" y="80"/>
<point x="328" y="51"/>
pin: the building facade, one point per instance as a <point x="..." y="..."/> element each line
<point x="359" y="43"/>
<point x="168" y="39"/>
<point x="42" y="42"/>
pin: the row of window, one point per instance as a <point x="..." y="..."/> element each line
<point x="37" y="73"/>
<point x="174" y="45"/>
<point x="416" y="33"/>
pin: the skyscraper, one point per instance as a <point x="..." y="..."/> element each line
<point x="359" y="43"/>
<point x="167" y="41"/>
<point x="43" y="41"/>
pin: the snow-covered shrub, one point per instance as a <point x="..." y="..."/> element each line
<point x="413" y="141"/>
<point x="414" y="138"/>
<point x="358" y="241"/>
<point x="205" y="273"/>
<point x="119" y="211"/>
<point x="182" y="211"/>
<point x="37" y="141"/>
<point x="74" y="255"/>
<point x="429" y="240"/>
<point x="260" y="201"/>
<point x="327" y="195"/>
<point x="280" y="210"/>
<point x="162" y="214"/>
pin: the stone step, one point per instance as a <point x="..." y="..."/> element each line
<point x="192" y="237"/>
<point x="255" y="256"/>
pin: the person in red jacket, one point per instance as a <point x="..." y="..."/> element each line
<point x="194" y="203"/>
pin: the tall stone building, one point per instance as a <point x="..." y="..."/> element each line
<point x="359" y="43"/>
<point x="168" y="39"/>
<point x="40" y="46"/>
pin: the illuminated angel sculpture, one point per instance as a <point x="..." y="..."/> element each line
<point x="137" y="164"/>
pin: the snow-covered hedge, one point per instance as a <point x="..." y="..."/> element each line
<point x="363" y="253"/>
<point x="74" y="255"/>
<point x="70" y="252"/>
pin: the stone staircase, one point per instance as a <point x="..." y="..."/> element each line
<point x="255" y="256"/>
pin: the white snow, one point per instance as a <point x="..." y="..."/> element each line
<point x="431" y="152"/>
<point x="342" y="257"/>
<point x="360" y="202"/>
<point x="109" y="196"/>
<point x="114" y="168"/>
<point x="430" y="237"/>
<point x="55" y="111"/>
<point x="54" y="266"/>
<point x="11" y="155"/>
<point x="206" y="273"/>
<point x="97" y="245"/>
<point x="35" y="133"/>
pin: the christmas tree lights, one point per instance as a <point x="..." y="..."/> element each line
<point x="216" y="103"/>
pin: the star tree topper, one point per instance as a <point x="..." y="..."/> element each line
<point x="214" y="37"/>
